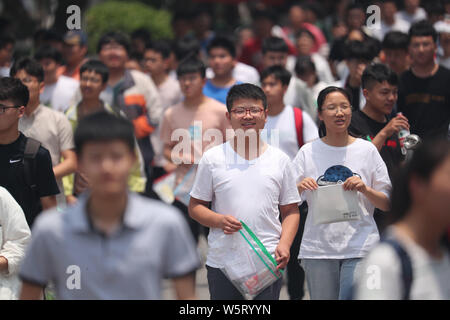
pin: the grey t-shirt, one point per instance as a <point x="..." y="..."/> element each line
<point x="154" y="242"/>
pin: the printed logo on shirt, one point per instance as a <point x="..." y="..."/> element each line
<point x="14" y="161"/>
<point x="335" y="174"/>
<point x="423" y="98"/>
<point x="388" y="143"/>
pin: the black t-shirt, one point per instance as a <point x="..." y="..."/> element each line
<point x="365" y="127"/>
<point x="355" y="92"/>
<point x="12" y="177"/>
<point x="426" y="103"/>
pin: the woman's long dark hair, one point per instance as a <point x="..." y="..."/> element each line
<point x="426" y="159"/>
<point x="321" y="99"/>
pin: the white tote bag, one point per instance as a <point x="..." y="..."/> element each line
<point x="333" y="204"/>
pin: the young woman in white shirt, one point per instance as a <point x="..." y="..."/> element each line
<point x="330" y="252"/>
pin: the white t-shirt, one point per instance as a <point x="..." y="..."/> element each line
<point x="169" y="93"/>
<point x="58" y="96"/>
<point x="399" y="25"/>
<point x="248" y="190"/>
<point x="315" y="90"/>
<point x="241" y="72"/>
<point x="4" y="71"/>
<point x="420" y="14"/>
<point x="298" y="95"/>
<point x="347" y="239"/>
<point x="445" y="62"/>
<point x="280" y="131"/>
<point x="323" y="70"/>
<point x="431" y="276"/>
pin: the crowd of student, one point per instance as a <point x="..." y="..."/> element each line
<point x="249" y="128"/>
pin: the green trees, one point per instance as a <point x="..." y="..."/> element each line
<point x="126" y="17"/>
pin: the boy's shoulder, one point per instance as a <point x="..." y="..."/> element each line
<point x="52" y="114"/>
<point x="144" y="212"/>
<point x="140" y="76"/>
<point x="48" y="223"/>
<point x="64" y="81"/>
<point x="214" y="105"/>
<point x="175" y="109"/>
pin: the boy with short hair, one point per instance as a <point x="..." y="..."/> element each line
<point x="293" y="125"/>
<point x="395" y="49"/>
<point x="107" y="236"/>
<point x="249" y="180"/>
<point x="374" y="122"/>
<point x="423" y="95"/>
<point x="74" y="52"/>
<point x="222" y="59"/>
<point x="48" y="126"/>
<point x="131" y="92"/>
<point x="58" y="89"/>
<point x="93" y="80"/>
<point x="294" y="128"/>
<point x="156" y="64"/>
<point x="275" y="52"/>
<point x="6" y="52"/>
<point x="196" y="115"/>
<point x="33" y="189"/>
<point x="359" y="56"/>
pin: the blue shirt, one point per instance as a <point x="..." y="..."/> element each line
<point x="153" y="242"/>
<point x="218" y="93"/>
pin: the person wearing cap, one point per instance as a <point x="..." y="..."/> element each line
<point x="74" y="53"/>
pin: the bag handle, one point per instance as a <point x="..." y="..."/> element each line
<point x="261" y="246"/>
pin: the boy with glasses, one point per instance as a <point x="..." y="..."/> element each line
<point x="31" y="182"/>
<point x="245" y="179"/>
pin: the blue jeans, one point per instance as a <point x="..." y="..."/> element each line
<point x="330" y="279"/>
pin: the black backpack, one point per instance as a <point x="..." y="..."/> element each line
<point x="30" y="169"/>
<point x="405" y="261"/>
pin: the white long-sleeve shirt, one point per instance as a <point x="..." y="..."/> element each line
<point x="14" y="237"/>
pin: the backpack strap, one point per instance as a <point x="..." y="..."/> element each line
<point x="405" y="260"/>
<point x="298" y="117"/>
<point x="29" y="165"/>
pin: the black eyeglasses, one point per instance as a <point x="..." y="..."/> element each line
<point x="3" y="108"/>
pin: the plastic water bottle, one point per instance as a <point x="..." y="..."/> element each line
<point x="402" y="134"/>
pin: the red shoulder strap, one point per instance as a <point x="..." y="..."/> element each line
<point x="298" y="116"/>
